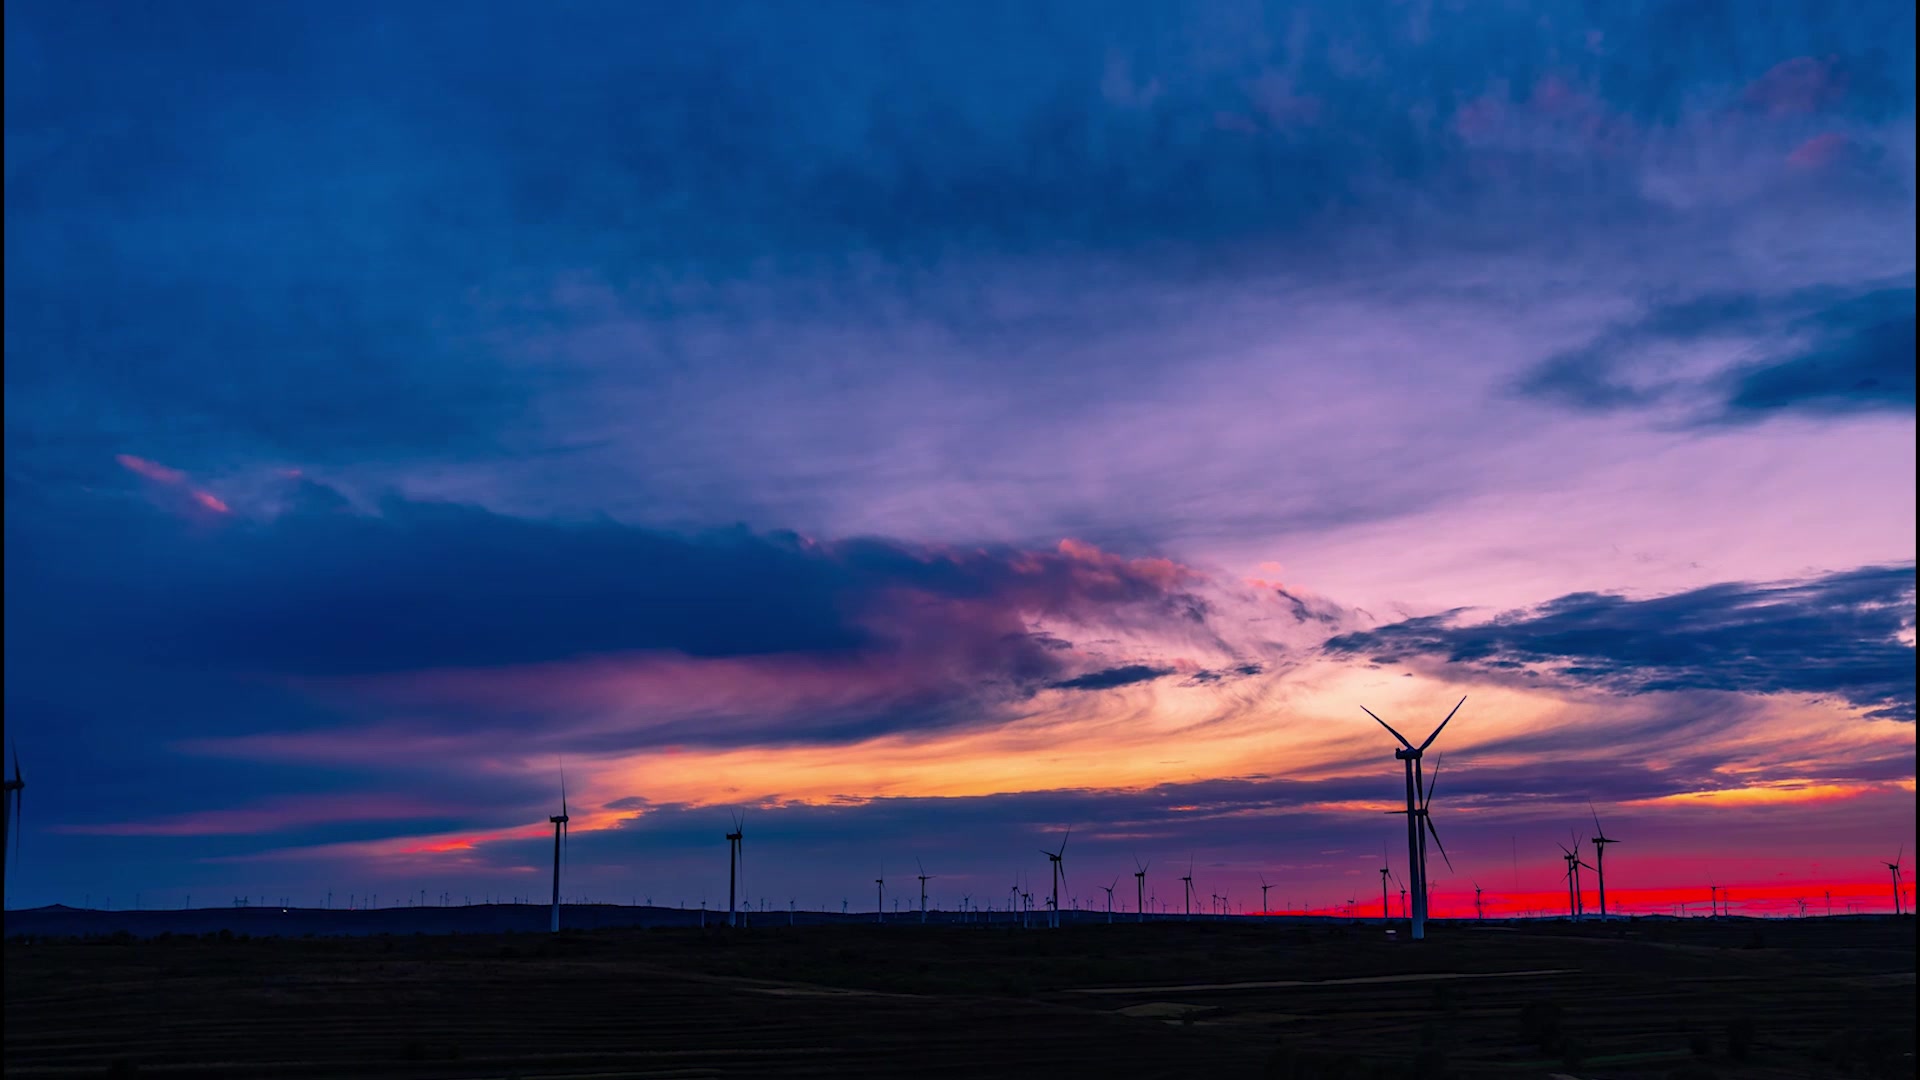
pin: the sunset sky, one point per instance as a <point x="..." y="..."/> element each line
<point x="922" y="428"/>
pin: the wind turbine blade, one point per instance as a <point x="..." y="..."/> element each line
<point x="1064" y="839"/>
<point x="1432" y="780"/>
<point x="1443" y="723"/>
<point x="1389" y="727"/>
<point x="1435" y="833"/>
<point x="1597" y="830"/>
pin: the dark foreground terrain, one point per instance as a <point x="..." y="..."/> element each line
<point x="1815" y="998"/>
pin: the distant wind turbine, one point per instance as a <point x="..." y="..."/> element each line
<point x="735" y="843"/>
<point x="923" y="890"/>
<point x="1056" y="861"/>
<point x="1600" y="842"/>
<point x="1892" y="867"/>
<point x="1140" y="887"/>
<point x="1189" y="890"/>
<point x="559" y="823"/>
<point x="15" y="790"/>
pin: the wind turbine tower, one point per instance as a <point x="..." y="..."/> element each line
<point x="880" y="899"/>
<point x="1892" y="867"/>
<point x="1385" y="871"/>
<point x="735" y="840"/>
<point x="1419" y="825"/>
<point x="15" y="790"/>
<point x="1189" y="891"/>
<point x="1263" y="893"/>
<point x="1600" y="842"/>
<point x="923" y="891"/>
<point x="1056" y="861"/>
<point x="1110" y="888"/>
<point x="1140" y="888"/>
<point x="559" y="823"/>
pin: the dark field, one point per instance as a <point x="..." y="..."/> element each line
<point x="1733" y="998"/>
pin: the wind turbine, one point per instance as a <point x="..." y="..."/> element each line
<point x="1713" y="898"/>
<point x="559" y="823"/>
<point x="735" y="842"/>
<point x="1892" y="867"/>
<point x="923" y="890"/>
<point x="15" y="790"/>
<point x="1189" y="881"/>
<point x="1419" y="825"/>
<point x="1110" y="888"/>
<point x="1263" y="893"/>
<point x="1572" y="859"/>
<point x="880" y="898"/>
<point x="1386" y="870"/>
<point x="1600" y="842"/>
<point x="1056" y="861"/>
<point x="1404" y="913"/>
<point x="1140" y="887"/>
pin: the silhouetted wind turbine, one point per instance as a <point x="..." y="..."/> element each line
<point x="1189" y="882"/>
<point x="1419" y="825"/>
<point x="880" y="898"/>
<point x="1573" y="881"/>
<point x="1140" y="888"/>
<point x="1263" y="893"/>
<point x="1892" y="867"/>
<point x="1600" y="842"/>
<point x="1479" y="910"/>
<point x="15" y="790"/>
<point x="559" y="823"/>
<point x="1056" y="861"/>
<point x="1386" y="871"/>
<point x="923" y="890"/>
<point x="1110" y="888"/>
<point x="735" y="840"/>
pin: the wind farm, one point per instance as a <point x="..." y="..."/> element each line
<point x="464" y="459"/>
<point x="1536" y="970"/>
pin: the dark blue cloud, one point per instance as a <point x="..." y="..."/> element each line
<point x="1825" y="352"/>
<point x="1836" y="636"/>
<point x="256" y="230"/>
<point x="1108" y="678"/>
<point x="323" y="590"/>
<point x="1861" y="360"/>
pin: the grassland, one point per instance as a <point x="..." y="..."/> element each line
<point x="1731" y="999"/>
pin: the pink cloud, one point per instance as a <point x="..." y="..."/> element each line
<point x="268" y="817"/>
<point x="1803" y="84"/>
<point x="1819" y="151"/>
<point x="152" y="470"/>
<point x="171" y="477"/>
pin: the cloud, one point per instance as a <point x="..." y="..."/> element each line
<point x="1846" y="635"/>
<point x="1739" y="357"/>
<point x="1861" y="359"/>
<point x="1107" y="679"/>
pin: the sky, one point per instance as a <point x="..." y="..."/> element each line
<point x="923" y="429"/>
